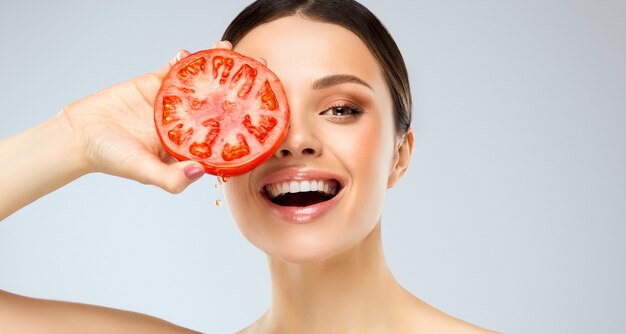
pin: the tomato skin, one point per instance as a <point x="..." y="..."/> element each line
<point x="222" y="109"/>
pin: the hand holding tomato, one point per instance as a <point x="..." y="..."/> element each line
<point x="224" y="112"/>
<point x="114" y="133"/>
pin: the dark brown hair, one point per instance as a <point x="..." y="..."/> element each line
<point x="350" y="15"/>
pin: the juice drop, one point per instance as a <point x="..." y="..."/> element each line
<point x="218" y="202"/>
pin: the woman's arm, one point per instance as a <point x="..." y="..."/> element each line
<point x="36" y="162"/>
<point x="19" y="314"/>
<point x="111" y="132"/>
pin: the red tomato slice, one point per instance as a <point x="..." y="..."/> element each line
<point x="224" y="110"/>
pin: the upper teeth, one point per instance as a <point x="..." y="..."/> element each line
<point x="278" y="189"/>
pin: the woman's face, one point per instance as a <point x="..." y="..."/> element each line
<point x="341" y="138"/>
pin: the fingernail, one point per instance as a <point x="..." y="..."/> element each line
<point x="180" y="55"/>
<point x="173" y="61"/>
<point x="193" y="172"/>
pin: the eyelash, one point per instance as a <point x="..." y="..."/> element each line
<point x="353" y="111"/>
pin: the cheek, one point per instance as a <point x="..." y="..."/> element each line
<point x="365" y="150"/>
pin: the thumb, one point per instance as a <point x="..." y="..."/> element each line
<point x="173" y="178"/>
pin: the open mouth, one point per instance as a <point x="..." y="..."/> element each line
<point x="302" y="193"/>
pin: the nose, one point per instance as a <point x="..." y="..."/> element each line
<point x="300" y="141"/>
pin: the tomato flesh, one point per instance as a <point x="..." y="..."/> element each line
<point x="227" y="111"/>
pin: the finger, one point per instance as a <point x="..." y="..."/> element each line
<point x="180" y="55"/>
<point x="229" y="46"/>
<point x="166" y="68"/>
<point x="223" y="45"/>
<point x="173" y="178"/>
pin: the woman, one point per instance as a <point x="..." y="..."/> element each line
<point x="349" y="96"/>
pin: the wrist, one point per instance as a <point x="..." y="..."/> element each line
<point x="55" y="146"/>
<point x="36" y="162"/>
<point x="68" y="144"/>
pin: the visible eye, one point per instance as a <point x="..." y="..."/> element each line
<point x="342" y="112"/>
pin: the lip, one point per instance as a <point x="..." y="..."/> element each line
<point x="305" y="214"/>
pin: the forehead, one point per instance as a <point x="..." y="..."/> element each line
<point x="300" y="50"/>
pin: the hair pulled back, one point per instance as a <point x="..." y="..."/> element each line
<point x="352" y="16"/>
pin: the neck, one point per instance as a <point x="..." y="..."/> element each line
<point x="351" y="291"/>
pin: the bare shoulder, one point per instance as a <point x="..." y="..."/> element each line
<point x="432" y="320"/>
<point x="422" y="318"/>
<point x="20" y="314"/>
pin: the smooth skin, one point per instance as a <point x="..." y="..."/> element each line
<point x="109" y="132"/>
<point x="328" y="276"/>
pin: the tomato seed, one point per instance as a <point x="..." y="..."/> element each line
<point x="232" y="152"/>
<point x="193" y="69"/>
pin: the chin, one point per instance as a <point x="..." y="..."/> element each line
<point x="306" y="246"/>
<point x="302" y="255"/>
<point x="296" y="249"/>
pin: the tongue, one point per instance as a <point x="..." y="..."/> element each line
<point x="302" y="198"/>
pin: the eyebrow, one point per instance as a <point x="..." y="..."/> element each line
<point x="337" y="79"/>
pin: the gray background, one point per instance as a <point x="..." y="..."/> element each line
<point x="513" y="214"/>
